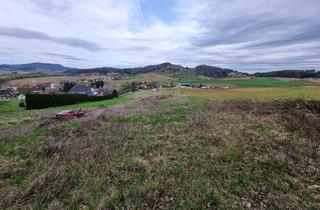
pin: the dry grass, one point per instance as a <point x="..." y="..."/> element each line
<point x="150" y="77"/>
<point x="314" y="82"/>
<point x="256" y="94"/>
<point x="171" y="152"/>
<point x="29" y="81"/>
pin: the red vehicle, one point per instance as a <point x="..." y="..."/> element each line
<point x="70" y="113"/>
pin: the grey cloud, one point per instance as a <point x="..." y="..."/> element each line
<point x="312" y="35"/>
<point x="136" y="49"/>
<point x="261" y="35"/>
<point x="63" y="56"/>
<point x="67" y="41"/>
<point x="247" y="28"/>
<point x="56" y="6"/>
<point x="3" y="53"/>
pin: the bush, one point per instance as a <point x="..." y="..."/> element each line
<point x="22" y="104"/>
<point x="36" y="101"/>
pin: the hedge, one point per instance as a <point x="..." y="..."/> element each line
<point x="40" y="101"/>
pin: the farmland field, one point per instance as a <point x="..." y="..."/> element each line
<point x="27" y="81"/>
<point x="256" y="94"/>
<point x="150" y="77"/>
<point x="259" y="82"/>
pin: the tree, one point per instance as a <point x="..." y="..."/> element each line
<point x="99" y="84"/>
<point x="68" y="85"/>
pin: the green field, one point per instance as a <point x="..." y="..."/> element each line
<point x="259" y="82"/>
<point x="11" y="114"/>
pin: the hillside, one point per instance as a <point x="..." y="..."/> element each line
<point x="167" y="68"/>
<point x="301" y="74"/>
<point x="164" y="67"/>
<point x="204" y="70"/>
<point x="35" y="67"/>
<point x="164" y="150"/>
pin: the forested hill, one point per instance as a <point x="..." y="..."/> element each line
<point x="35" y="67"/>
<point x="204" y="70"/>
<point x="291" y="74"/>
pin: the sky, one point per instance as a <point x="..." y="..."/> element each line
<point x="246" y="35"/>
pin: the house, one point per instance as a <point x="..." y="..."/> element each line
<point x="55" y="87"/>
<point x="106" y="89"/>
<point x="219" y="86"/>
<point x="40" y="88"/>
<point x="21" y="97"/>
<point x="83" y="89"/>
<point x="185" y="85"/>
<point x="8" y="93"/>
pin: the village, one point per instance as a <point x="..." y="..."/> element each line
<point x="91" y="85"/>
<point x="96" y="87"/>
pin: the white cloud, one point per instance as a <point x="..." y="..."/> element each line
<point x="240" y="34"/>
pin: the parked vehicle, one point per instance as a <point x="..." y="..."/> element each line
<point x="70" y="113"/>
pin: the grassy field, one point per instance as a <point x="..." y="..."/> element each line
<point x="21" y="82"/>
<point x="259" y="82"/>
<point x="171" y="149"/>
<point x="150" y="77"/>
<point x="168" y="150"/>
<point x="256" y="94"/>
<point x="11" y="114"/>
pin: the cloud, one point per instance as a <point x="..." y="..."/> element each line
<point x="51" y="6"/>
<point x="302" y="37"/>
<point x="242" y="34"/>
<point x="68" y="41"/>
<point x="63" y="56"/>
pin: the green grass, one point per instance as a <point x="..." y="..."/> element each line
<point x="10" y="106"/>
<point x="11" y="114"/>
<point x="259" y="82"/>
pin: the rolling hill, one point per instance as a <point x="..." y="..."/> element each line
<point x="204" y="70"/>
<point x="35" y="67"/>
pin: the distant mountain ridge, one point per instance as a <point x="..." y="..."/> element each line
<point x="164" y="67"/>
<point x="301" y="74"/>
<point x="35" y="67"/>
<point x="203" y="70"/>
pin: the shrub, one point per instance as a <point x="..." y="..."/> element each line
<point x="22" y="104"/>
<point x="36" y="101"/>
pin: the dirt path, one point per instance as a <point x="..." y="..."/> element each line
<point x="47" y="120"/>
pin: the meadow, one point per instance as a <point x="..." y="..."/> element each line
<point x="256" y="94"/>
<point x="168" y="150"/>
<point x="259" y="82"/>
<point x="239" y="148"/>
<point x="149" y="77"/>
<point x="47" y="79"/>
<point x="11" y="114"/>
